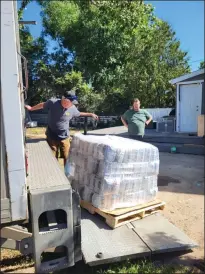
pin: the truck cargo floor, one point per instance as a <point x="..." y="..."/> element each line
<point x="141" y="238"/>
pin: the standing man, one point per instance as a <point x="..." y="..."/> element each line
<point x="135" y="120"/>
<point x="60" y="112"/>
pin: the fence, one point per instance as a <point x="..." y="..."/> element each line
<point x="158" y="113"/>
<point x="42" y="117"/>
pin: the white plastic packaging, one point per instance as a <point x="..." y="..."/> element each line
<point x="113" y="172"/>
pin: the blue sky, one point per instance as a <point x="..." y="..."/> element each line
<point x="185" y="17"/>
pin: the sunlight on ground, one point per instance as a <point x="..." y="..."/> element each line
<point x="41" y="131"/>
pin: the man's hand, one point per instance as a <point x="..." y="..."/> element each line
<point x="148" y="121"/>
<point x="125" y="125"/>
<point x="124" y="122"/>
<point x="28" y="107"/>
<point x="94" y="116"/>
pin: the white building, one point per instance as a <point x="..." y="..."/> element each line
<point x="189" y="100"/>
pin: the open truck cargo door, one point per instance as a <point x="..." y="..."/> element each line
<point x="13" y="180"/>
<point x="142" y="238"/>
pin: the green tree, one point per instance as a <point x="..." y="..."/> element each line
<point x="89" y="100"/>
<point x="202" y="65"/>
<point x="50" y="74"/>
<point x="36" y="54"/>
<point x="121" y="47"/>
<point x="159" y="59"/>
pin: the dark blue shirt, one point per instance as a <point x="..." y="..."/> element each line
<point x="58" y="119"/>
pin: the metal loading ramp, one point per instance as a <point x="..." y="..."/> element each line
<point x="141" y="238"/>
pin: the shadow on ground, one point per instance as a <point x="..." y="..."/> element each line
<point x="181" y="173"/>
<point x="165" y="180"/>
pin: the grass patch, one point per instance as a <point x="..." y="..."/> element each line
<point x="12" y="260"/>
<point x="36" y="130"/>
<point x="39" y="131"/>
<point x="147" y="267"/>
<point x="139" y="267"/>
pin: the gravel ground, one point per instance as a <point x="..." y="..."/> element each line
<point x="181" y="186"/>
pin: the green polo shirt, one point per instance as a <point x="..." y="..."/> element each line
<point x="136" y="121"/>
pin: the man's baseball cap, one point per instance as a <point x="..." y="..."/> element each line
<point x="71" y="96"/>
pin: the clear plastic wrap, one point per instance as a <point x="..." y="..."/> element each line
<point x="113" y="172"/>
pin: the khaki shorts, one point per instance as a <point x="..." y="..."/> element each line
<point x="62" y="145"/>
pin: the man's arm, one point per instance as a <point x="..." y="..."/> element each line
<point x="44" y="105"/>
<point x="149" y="118"/>
<point x="124" y="122"/>
<point x="36" y="107"/>
<point x="87" y="114"/>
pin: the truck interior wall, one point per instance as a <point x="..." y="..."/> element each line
<point x="5" y="202"/>
<point x="4" y="187"/>
<point x="20" y="63"/>
<point x="4" y="175"/>
<point x="13" y="124"/>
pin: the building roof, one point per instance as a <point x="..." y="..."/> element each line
<point x="187" y="76"/>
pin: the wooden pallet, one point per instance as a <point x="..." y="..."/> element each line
<point x="123" y="216"/>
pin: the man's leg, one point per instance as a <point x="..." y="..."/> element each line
<point x="54" y="146"/>
<point x="65" y="147"/>
<point x="139" y="138"/>
<point x="136" y="137"/>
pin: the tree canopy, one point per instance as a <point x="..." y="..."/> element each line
<point x="50" y="74"/>
<point x="202" y="65"/>
<point x="119" y="47"/>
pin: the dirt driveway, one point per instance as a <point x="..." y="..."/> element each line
<point x="181" y="186"/>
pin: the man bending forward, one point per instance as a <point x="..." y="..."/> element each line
<point x="60" y="112"/>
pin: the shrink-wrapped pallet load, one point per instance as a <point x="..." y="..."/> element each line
<point x="113" y="172"/>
